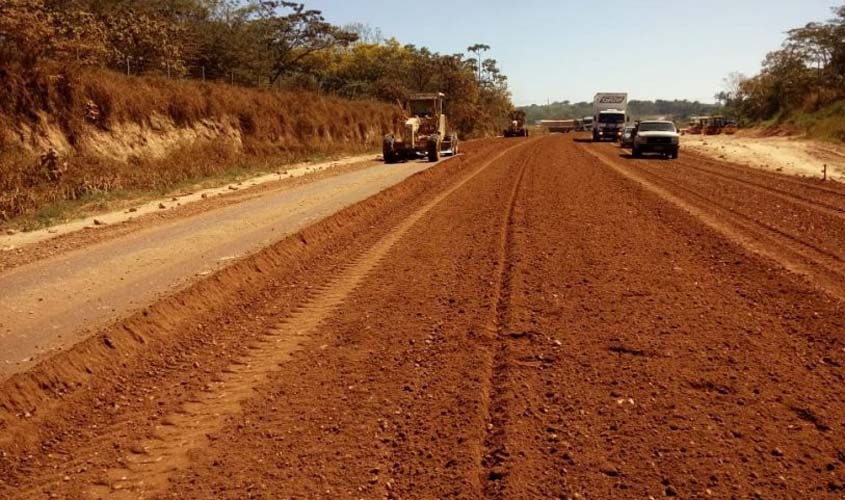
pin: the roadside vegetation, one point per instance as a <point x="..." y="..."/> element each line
<point x="678" y="110"/>
<point x="145" y="94"/>
<point x="801" y="87"/>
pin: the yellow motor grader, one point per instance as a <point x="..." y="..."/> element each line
<point x="517" y="126"/>
<point x="425" y="133"/>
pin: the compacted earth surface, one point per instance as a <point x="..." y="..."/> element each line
<point x="537" y="318"/>
<point x="790" y="155"/>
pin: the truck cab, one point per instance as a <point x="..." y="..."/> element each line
<point x="609" y="125"/>
<point x="610" y="113"/>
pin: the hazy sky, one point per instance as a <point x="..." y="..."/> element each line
<point x="565" y="49"/>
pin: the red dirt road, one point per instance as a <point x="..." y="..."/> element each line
<point x="536" y="319"/>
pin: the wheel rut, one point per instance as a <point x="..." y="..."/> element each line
<point x="822" y="267"/>
<point x="493" y="462"/>
<point x="834" y="196"/>
<point x="183" y="434"/>
<point x="782" y="194"/>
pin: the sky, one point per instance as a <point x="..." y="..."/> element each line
<point x="556" y="50"/>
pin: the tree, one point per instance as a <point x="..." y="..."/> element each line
<point x="293" y="38"/>
<point x="731" y="95"/>
<point x="26" y="31"/>
<point x="365" y="33"/>
<point x="478" y="49"/>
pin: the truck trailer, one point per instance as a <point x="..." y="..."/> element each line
<point x="610" y="112"/>
<point x="559" y="126"/>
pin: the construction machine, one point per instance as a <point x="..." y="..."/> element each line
<point x="517" y="126"/>
<point x="714" y="125"/>
<point x="695" y="126"/>
<point x="425" y="133"/>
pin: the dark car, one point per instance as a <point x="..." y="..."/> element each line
<point x="627" y="138"/>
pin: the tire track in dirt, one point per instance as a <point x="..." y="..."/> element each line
<point x="822" y="267"/>
<point x="495" y="454"/>
<point x="782" y="194"/>
<point x="146" y="471"/>
<point x="834" y="196"/>
<point x="750" y="222"/>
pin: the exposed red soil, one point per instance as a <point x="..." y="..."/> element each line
<point x="537" y="319"/>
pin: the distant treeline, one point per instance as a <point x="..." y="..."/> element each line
<point x="271" y="44"/>
<point x="806" y="75"/>
<point x="676" y="110"/>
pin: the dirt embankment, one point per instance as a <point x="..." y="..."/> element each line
<point x="110" y="133"/>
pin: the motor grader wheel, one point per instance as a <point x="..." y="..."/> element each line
<point x="389" y="152"/>
<point x="433" y="149"/>
<point x="453" y="144"/>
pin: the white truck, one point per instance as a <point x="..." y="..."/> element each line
<point x="609" y="115"/>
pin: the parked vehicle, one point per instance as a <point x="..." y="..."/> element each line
<point x="656" y="137"/>
<point x="587" y="124"/>
<point x="714" y="125"/>
<point x="695" y="126"/>
<point x="609" y="116"/>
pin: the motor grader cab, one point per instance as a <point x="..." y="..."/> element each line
<point x="424" y="134"/>
<point x="517" y="125"/>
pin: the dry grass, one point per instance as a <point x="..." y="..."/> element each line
<point x="272" y="127"/>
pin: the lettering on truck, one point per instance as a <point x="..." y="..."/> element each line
<point x="612" y="99"/>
